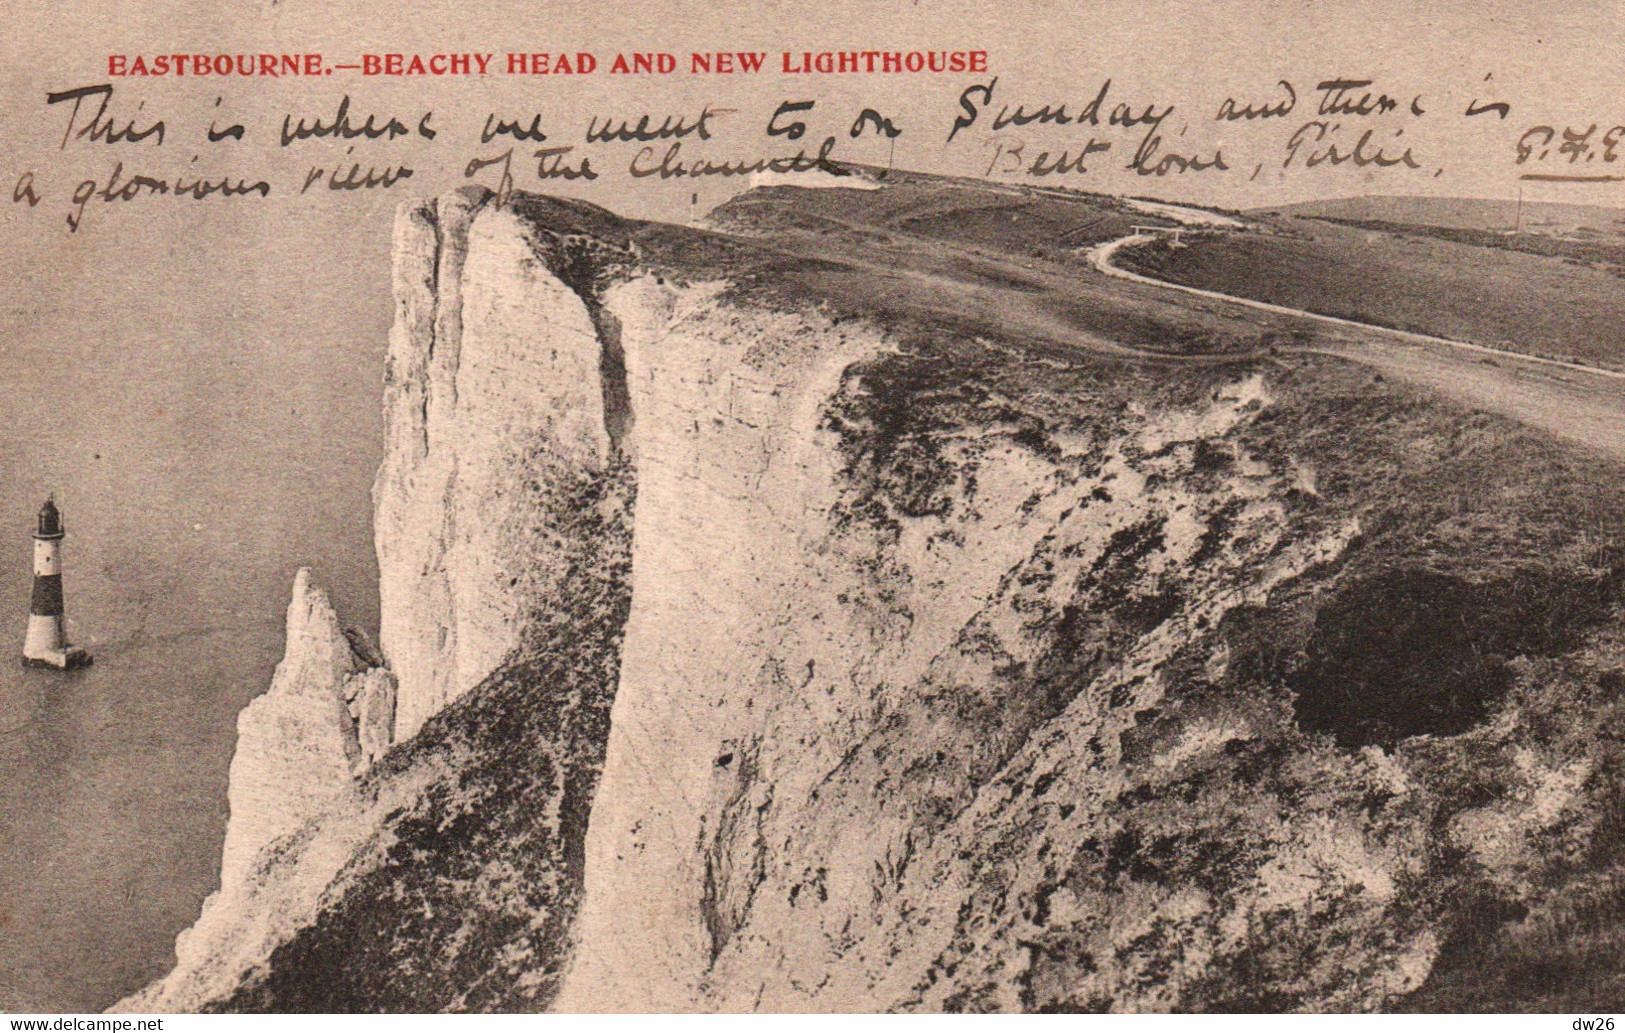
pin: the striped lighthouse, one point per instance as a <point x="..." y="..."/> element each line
<point x="47" y="642"/>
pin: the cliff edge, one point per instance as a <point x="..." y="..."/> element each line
<point x="866" y="606"/>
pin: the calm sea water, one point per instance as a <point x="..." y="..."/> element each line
<point x="208" y="416"/>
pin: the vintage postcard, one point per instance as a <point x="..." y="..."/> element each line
<point x="917" y="506"/>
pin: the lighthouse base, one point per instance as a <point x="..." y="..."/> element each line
<point x="58" y="659"/>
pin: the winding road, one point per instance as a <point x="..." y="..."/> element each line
<point x="1582" y="404"/>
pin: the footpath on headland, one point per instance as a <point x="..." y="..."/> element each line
<point x="1580" y="403"/>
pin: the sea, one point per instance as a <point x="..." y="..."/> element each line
<point x="203" y="398"/>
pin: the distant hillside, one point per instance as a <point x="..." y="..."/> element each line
<point x="1471" y="213"/>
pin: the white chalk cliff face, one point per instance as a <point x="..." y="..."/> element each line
<point x="823" y="696"/>
<point x="490" y="355"/>
<point x="739" y="654"/>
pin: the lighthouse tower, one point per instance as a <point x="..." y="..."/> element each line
<point x="47" y="641"/>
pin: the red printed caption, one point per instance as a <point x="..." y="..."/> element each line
<point x="823" y="62"/>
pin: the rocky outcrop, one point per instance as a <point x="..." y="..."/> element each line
<point x="370" y="696"/>
<point x="298" y="755"/>
<point x="297" y="747"/>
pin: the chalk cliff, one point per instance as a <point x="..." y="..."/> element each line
<point x="299" y="750"/>
<point x="764" y="628"/>
<point x="493" y="360"/>
<point x="503" y="528"/>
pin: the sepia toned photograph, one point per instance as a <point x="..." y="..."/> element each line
<point x="933" y="506"/>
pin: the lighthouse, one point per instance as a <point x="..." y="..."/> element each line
<point x="47" y="641"/>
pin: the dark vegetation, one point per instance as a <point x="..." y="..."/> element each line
<point x="1602" y="254"/>
<point x="1478" y="616"/>
<point x="1414" y="651"/>
<point x="1552" y="939"/>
